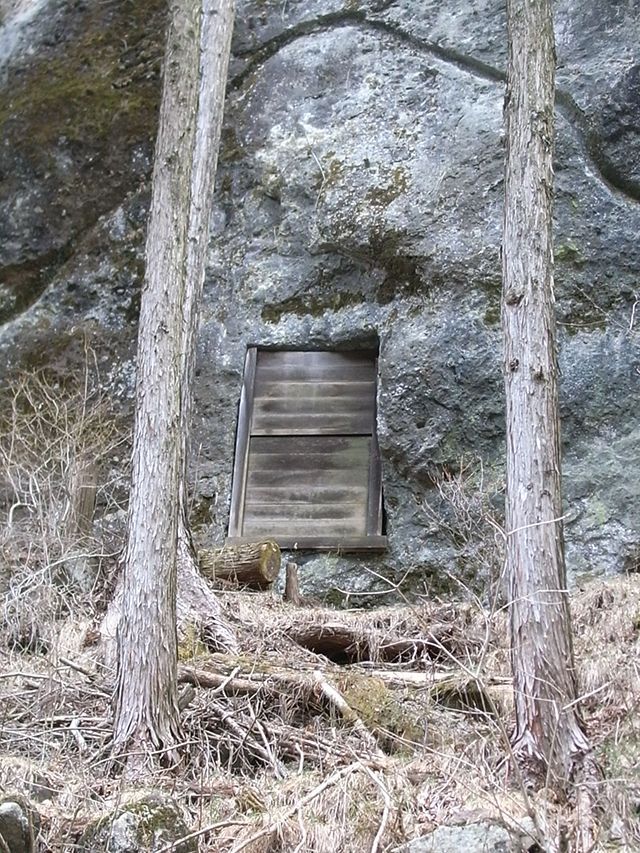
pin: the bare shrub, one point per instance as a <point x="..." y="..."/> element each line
<point x="468" y="512"/>
<point x="56" y="433"/>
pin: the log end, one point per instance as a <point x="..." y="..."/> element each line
<point x="270" y="560"/>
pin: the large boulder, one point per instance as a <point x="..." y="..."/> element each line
<point x="359" y="201"/>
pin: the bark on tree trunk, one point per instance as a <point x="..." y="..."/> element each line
<point x="549" y="737"/>
<point x="195" y="68"/>
<point x="197" y="605"/>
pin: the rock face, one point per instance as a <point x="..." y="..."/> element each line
<point x="359" y="201"/>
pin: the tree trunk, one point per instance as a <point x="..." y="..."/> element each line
<point x="255" y="564"/>
<point x="548" y="738"/>
<point x="195" y="68"/>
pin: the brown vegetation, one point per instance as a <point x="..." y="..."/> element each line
<point x="328" y="731"/>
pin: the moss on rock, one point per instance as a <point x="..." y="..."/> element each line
<point x="101" y="86"/>
<point x="147" y="822"/>
<point x="380" y="709"/>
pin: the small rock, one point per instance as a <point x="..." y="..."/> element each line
<point x="473" y="838"/>
<point x="19" y="824"/>
<point x="26" y="778"/>
<point x="144" y="824"/>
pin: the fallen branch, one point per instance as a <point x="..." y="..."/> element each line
<point x="385" y="812"/>
<point x="345" y="710"/>
<point x="246" y="739"/>
<point x="225" y="684"/>
<point x="344" y="643"/>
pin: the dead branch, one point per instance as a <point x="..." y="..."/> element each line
<point x="214" y="680"/>
<point x="345" y="710"/>
<point x="344" y="643"/>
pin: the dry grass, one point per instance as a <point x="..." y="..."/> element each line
<point x="316" y="784"/>
<point x="402" y="730"/>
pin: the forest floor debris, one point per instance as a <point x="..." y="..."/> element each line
<point x="332" y="731"/>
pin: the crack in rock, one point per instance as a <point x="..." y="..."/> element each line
<point x="591" y="143"/>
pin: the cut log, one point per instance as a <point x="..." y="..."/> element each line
<point x="255" y="564"/>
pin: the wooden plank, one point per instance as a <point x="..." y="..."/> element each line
<point x="301" y="447"/>
<point x="352" y="511"/>
<point x="335" y="478"/>
<point x="293" y="493"/>
<point x="272" y="389"/>
<point x="300" y="407"/>
<point x="299" y="464"/>
<point x="242" y="443"/>
<point x="374" y="500"/>
<point x="293" y="528"/>
<point x="347" y="465"/>
<point x="315" y="366"/>
<point x="317" y="358"/>
<point x="317" y="373"/>
<point x="348" y="423"/>
<point x="337" y="544"/>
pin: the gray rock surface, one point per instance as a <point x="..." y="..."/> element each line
<point x="359" y="199"/>
<point x="473" y="838"/>
<point x="19" y="824"/>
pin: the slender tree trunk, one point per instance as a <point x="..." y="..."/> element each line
<point x="549" y="740"/>
<point x="195" y="69"/>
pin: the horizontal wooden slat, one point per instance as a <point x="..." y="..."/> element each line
<point x="301" y="407"/>
<point x="296" y="510"/>
<point x="342" y="544"/>
<point x="314" y="367"/>
<point x="313" y="415"/>
<point x="334" y="463"/>
<point x="274" y="528"/>
<point x="349" y="423"/>
<point x="299" y="464"/>
<point x="298" y="447"/>
<point x="270" y="389"/>
<point x="309" y="480"/>
<point x="293" y="493"/>
<point x="316" y="358"/>
<point x="307" y="373"/>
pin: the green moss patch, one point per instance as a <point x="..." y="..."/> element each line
<point x="101" y="86"/>
<point x="380" y="709"/>
<point x="311" y="305"/>
<point x="395" y="185"/>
